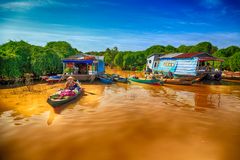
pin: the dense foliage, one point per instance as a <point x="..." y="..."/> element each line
<point x="235" y="62"/>
<point x="137" y="60"/>
<point x="228" y="54"/>
<point x="17" y="58"/>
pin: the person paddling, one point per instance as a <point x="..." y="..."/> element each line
<point x="71" y="84"/>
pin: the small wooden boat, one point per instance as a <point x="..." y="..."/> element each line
<point x="54" y="101"/>
<point x="52" y="79"/>
<point x="190" y="78"/>
<point x="147" y="81"/>
<point x="106" y="80"/>
<point x="178" y="81"/>
<point x="44" y="78"/>
<point x="114" y="75"/>
<point x="121" y="79"/>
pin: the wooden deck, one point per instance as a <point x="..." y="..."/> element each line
<point x="82" y="77"/>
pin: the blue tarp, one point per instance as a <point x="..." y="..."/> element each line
<point x="101" y="66"/>
<point x="78" y="61"/>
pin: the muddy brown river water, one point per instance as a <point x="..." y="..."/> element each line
<point x="122" y="121"/>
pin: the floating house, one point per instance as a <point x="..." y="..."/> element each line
<point x="153" y="60"/>
<point x="185" y="64"/>
<point x="83" y="67"/>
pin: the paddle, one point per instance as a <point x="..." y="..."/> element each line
<point x="90" y="93"/>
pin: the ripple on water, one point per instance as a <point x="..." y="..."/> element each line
<point x="129" y="121"/>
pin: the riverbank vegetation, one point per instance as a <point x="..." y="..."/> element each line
<point x="19" y="57"/>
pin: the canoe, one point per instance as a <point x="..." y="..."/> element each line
<point x="54" y="78"/>
<point x="106" y="80"/>
<point x="147" y="81"/>
<point x="58" y="102"/>
<point x="120" y="79"/>
<point x="115" y="76"/>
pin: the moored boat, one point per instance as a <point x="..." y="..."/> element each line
<point x="56" y="100"/>
<point x="115" y="76"/>
<point x="197" y="66"/>
<point x="178" y="81"/>
<point x="146" y="81"/>
<point x="121" y="79"/>
<point x="52" y="79"/>
<point x="106" y="80"/>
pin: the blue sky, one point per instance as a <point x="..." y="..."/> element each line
<point x="91" y="25"/>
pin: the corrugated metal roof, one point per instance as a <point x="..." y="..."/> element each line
<point x="191" y="55"/>
<point x="77" y="61"/>
<point x="171" y="55"/>
<point x="210" y="59"/>
<point x="77" y="56"/>
<point x="203" y="56"/>
<point x="83" y="56"/>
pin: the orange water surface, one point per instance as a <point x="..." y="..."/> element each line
<point x="121" y="122"/>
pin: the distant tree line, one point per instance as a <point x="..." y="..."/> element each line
<point x="19" y="57"/>
<point x="136" y="60"/>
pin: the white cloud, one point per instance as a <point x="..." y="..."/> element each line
<point x="96" y="39"/>
<point x="125" y="41"/>
<point x="18" y="6"/>
<point x="28" y="4"/>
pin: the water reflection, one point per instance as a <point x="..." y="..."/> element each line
<point x="199" y="97"/>
<point x="122" y="121"/>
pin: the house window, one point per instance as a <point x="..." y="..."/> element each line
<point x="155" y="64"/>
<point x="150" y="61"/>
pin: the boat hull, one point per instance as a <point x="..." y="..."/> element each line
<point x="106" y="80"/>
<point x="178" y="81"/>
<point x="122" y="80"/>
<point x="147" y="81"/>
<point x="56" y="103"/>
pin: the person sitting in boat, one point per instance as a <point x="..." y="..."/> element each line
<point x="134" y="76"/>
<point x="71" y="84"/>
<point x="169" y="75"/>
<point x="148" y="70"/>
<point x="208" y="68"/>
<point x="152" y="76"/>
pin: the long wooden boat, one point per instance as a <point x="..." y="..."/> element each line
<point x="55" y="102"/>
<point x="114" y="76"/>
<point x="197" y="78"/>
<point x="120" y="79"/>
<point x="178" y="81"/>
<point x="106" y="80"/>
<point x="147" y="81"/>
<point x="52" y="79"/>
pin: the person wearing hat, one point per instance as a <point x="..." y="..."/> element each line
<point x="71" y="84"/>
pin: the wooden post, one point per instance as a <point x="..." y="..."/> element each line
<point x="87" y="69"/>
<point x="63" y="67"/>
<point x="197" y="67"/>
<point x="213" y="66"/>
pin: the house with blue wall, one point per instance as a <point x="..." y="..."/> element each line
<point x="184" y="64"/>
<point x="83" y="67"/>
